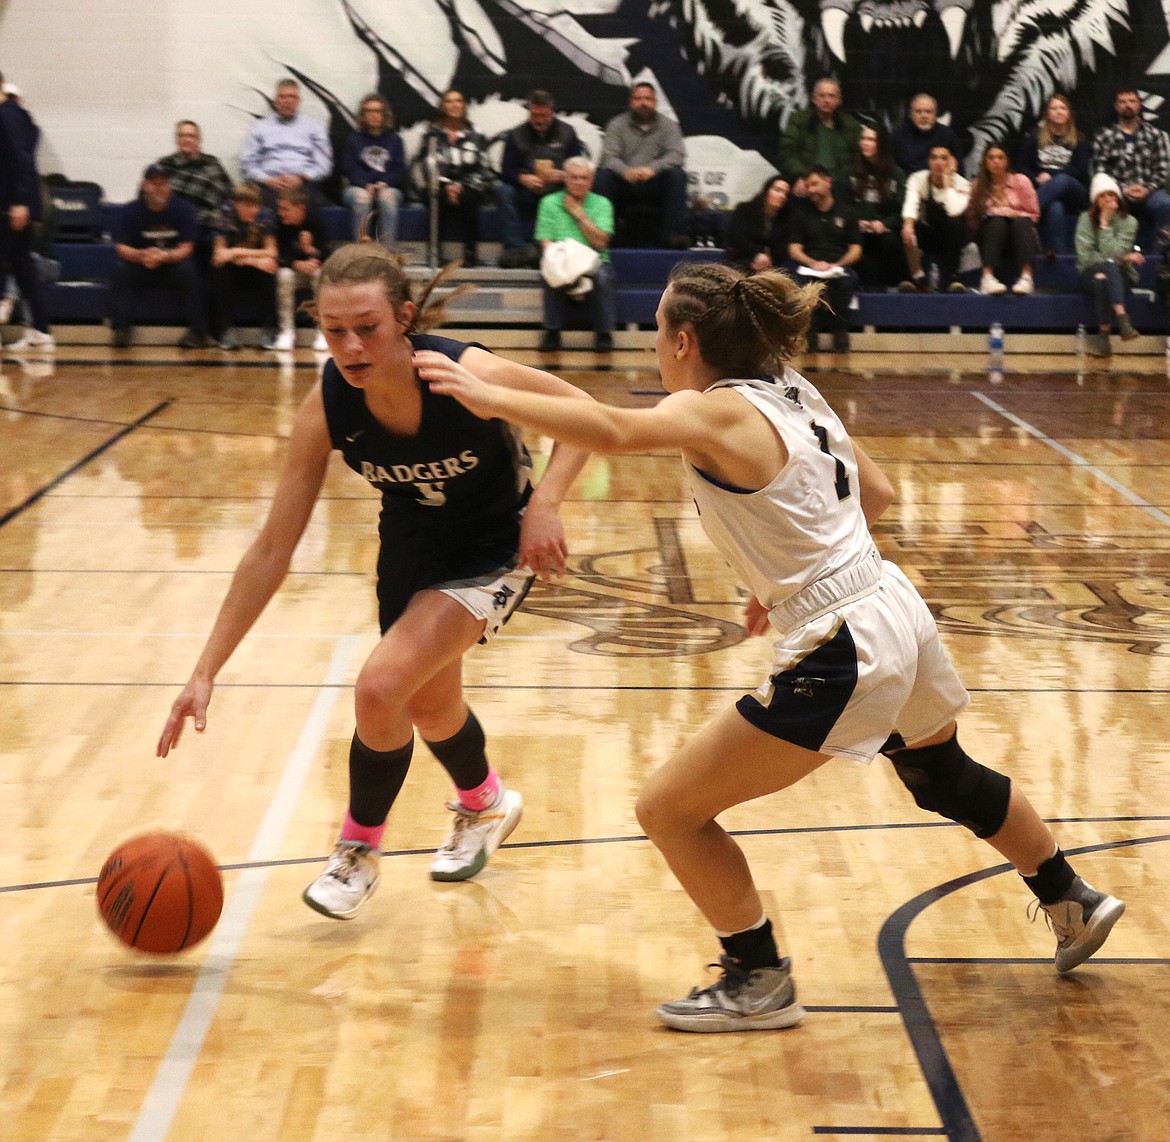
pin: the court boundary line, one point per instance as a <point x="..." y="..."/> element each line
<point x="1075" y="459"/>
<point x="76" y="467"/>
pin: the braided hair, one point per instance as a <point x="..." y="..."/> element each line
<point x="745" y="324"/>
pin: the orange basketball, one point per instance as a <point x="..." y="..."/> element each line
<point x="160" y="893"/>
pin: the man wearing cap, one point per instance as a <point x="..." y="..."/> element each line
<point x="154" y="237"/>
<point x="20" y="207"/>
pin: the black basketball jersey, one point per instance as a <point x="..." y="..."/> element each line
<point x="452" y="494"/>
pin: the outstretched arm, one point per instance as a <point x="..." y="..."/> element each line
<point x="263" y="567"/>
<point x="542" y="536"/>
<point x="682" y="420"/>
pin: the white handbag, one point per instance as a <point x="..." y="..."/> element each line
<point x="570" y="265"/>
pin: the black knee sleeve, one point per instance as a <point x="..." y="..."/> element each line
<point x="944" y="780"/>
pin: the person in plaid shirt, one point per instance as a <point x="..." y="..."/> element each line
<point x="1137" y="156"/>
<point x="198" y="178"/>
<point x="460" y="153"/>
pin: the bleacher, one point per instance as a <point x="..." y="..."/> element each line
<point x="511" y="297"/>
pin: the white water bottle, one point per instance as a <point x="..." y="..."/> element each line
<point x="1082" y="341"/>
<point x="932" y="280"/>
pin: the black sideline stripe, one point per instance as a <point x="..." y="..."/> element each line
<point x="40" y="493"/>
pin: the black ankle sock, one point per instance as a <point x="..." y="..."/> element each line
<point x="755" y="948"/>
<point x="462" y="754"/>
<point x="1052" y="880"/>
<point x="374" y="780"/>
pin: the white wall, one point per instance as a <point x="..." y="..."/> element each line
<point x="107" y="79"/>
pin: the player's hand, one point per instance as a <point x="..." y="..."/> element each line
<point x="191" y="703"/>
<point x="451" y="379"/>
<point x="542" y="540"/>
<point x="755" y="618"/>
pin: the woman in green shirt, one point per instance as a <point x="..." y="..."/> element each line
<point x="1108" y="260"/>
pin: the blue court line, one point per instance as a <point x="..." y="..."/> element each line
<point x="941" y="1080"/>
<point x="12" y="513"/>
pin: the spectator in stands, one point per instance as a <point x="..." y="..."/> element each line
<point x="31" y="132"/>
<point x="1107" y="260"/>
<point x="286" y="149"/>
<point x="875" y="189"/>
<point x="757" y="235"/>
<point x="934" y="221"/>
<point x="914" y="138"/>
<point x="532" y="168"/>
<point x="302" y="246"/>
<point x="642" y="169"/>
<point x="20" y="210"/>
<point x="1136" y="155"/>
<point x="154" y="238"/>
<point x="243" y="261"/>
<point x="462" y="171"/>
<point x="198" y="178"/>
<point x="1003" y="214"/>
<point x="1056" y="158"/>
<point x="822" y="134"/>
<point x="578" y="214"/>
<point x="374" y="166"/>
<point x="826" y="244"/>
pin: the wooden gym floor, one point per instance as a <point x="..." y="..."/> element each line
<point x="1034" y="514"/>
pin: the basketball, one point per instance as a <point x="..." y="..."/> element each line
<point x="160" y="893"/>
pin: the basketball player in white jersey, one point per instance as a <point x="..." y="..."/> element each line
<point x="787" y="498"/>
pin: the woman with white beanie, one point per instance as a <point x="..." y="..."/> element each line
<point x="1108" y="260"/>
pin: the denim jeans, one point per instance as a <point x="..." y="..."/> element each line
<point x="517" y="206"/>
<point x="361" y="201"/>
<point x="1061" y="196"/>
<point x="1106" y="290"/>
<point x="130" y="279"/>
<point x="601" y="298"/>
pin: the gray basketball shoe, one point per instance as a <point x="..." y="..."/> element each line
<point x="759" y="1000"/>
<point x="1081" y="920"/>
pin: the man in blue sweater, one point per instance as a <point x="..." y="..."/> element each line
<point x="286" y="149"/>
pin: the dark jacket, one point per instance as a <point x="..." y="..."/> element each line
<point x="798" y="144"/>
<point x="19" y="185"/>
<point x="524" y="146"/>
<point x="873" y="200"/>
<point x="911" y="147"/>
<point x="749" y="233"/>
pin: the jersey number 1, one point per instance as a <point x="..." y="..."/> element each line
<point x="841" y="483"/>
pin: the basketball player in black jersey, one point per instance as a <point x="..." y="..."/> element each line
<point x="463" y="533"/>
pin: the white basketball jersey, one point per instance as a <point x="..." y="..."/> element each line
<point x="807" y="523"/>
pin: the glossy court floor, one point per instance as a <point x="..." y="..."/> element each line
<point x="1034" y="514"/>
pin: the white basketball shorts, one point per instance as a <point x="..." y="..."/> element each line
<point x="851" y="673"/>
